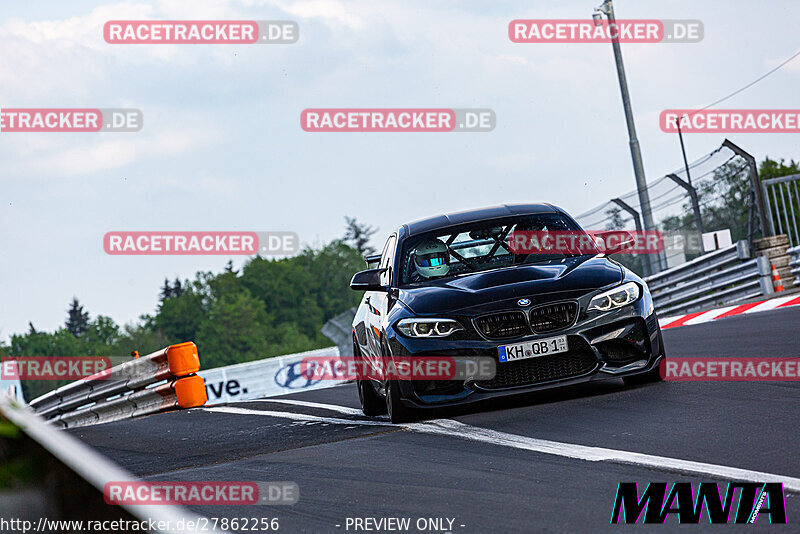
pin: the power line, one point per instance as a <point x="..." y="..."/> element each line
<point x="748" y="85"/>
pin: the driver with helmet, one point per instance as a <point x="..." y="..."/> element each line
<point x="431" y="260"/>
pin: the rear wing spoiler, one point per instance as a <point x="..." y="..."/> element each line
<point x="373" y="260"/>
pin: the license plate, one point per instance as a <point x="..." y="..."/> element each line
<point x="532" y="349"/>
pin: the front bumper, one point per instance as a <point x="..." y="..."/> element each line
<point x="621" y="343"/>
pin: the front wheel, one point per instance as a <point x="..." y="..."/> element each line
<point x="651" y="376"/>
<point x="398" y="412"/>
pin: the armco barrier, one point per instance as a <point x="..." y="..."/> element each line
<point x="794" y="263"/>
<point x="96" y="469"/>
<point x="263" y="378"/>
<point x="129" y="389"/>
<point x="714" y="279"/>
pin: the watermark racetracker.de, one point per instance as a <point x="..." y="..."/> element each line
<point x="602" y="241"/>
<point x="169" y="243"/>
<point x="428" y="367"/>
<point x="56" y="367"/>
<point x="17" y="120"/>
<point x="589" y="31"/>
<point x="761" y="369"/>
<point x="730" y="120"/>
<point x="397" y="120"/>
<point x="236" y="493"/>
<point x="201" y="32"/>
<point x="89" y="368"/>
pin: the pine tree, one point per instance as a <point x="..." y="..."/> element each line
<point x="166" y="291"/>
<point x="77" y="320"/>
<point x="177" y="288"/>
<point x="359" y="235"/>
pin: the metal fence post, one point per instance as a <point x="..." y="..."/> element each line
<point x="647" y="264"/>
<point x="765" y="275"/>
<point x="766" y="223"/>
<point x="698" y="219"/>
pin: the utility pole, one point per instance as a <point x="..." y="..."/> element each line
<point x="607" y="8"/>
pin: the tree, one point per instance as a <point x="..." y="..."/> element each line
<point x="286" y="289"/>
<point x="330" y="269"/>
<point x="166" y="291"/>
<point x="77" y="320"/>
<point x="236" y="331"/>
<point x="359" y="235"/>
<point x="769" y="168"/>
<point x="616" y="222"/>
<point x="101" y="334"/>
<point x="179" y="318"/>
<point x="725" y="200"/>
<point x="177" y="288"/>
<point x="142" y="336"/>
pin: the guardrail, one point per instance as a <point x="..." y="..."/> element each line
<point x="97" y="470"/>
<point x="157" y="382"/>
<point x="794" y="263"/>
<point x="715" y="279"/>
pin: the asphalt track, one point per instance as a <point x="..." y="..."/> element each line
<point x="516" y="465"/>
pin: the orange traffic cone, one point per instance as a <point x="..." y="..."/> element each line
<point x="776" y="280"/>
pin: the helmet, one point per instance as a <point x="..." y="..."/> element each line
<point x="432" y="259"/>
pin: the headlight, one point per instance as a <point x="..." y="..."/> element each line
<point x="428" y="327"/>
<point x="616" y="298"/>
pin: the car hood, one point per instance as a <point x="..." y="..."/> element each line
<point x="567" y="278"/>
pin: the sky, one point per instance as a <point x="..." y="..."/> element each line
<point x="222" y="148"/>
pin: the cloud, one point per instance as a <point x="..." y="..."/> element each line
<point x="333" y="13"/>
<point x="102" y="151"/>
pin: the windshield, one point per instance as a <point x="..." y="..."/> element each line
<point x="482" y="246"/>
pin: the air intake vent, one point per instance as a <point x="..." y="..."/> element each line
<point x="552" y="317"/>
<point x="502" y="325"/>
<point x="542" y="369"/>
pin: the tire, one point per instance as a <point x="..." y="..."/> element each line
<point x="781" y="240"/>
<point x="786" y="276"/>
<point x="371" y="403"/>
<point x="651" y="376"/>
<point x="781" y="262"/>
<point x="774" y="252"/>
<point x="398" y="413"/>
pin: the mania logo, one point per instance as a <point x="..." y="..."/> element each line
<point x="755" y="500"/>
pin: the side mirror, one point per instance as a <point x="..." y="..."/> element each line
<point x="614" y="241"/>
<point x="369" y="280"/>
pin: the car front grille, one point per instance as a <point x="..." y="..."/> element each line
<point x="502" y="325"/>
<point x="541" y="369"/>
<point x="552" y="317"/>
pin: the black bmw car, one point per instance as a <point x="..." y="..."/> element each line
<point x="455" y="285"/>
